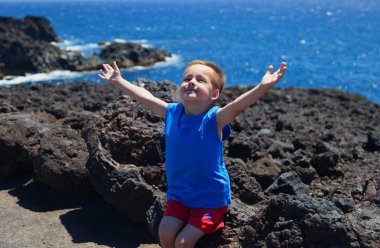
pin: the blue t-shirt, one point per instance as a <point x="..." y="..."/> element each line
<point x="195" y="170"/>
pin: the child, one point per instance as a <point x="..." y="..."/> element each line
<point x="198" y="183"/>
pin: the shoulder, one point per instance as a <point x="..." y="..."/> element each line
<point x="173" y="109"/>
<point x="174" y="106"/>
<point x="211" y="113"/>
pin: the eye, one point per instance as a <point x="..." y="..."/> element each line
<point x="201" y="80"/>
<point x="186" y="79"/>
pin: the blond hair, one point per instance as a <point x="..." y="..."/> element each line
<point x="219" y="79"/>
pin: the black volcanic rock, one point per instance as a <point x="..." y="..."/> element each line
<point x="37" y="28"/>
<point x="373" y="141"/>
<point x="122" y="140"/>
<point x="288" y="183"/>
<point x="19" y="134"/>
<point x="61" y="161"/>
<point x="132" y="54"/>
<point x="126" y="142"/>
<point x="25" y="47"/>
<point x="322" y="138"/>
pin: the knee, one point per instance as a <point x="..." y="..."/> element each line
<point x="182" y="242"/>
<point x="167" y="235"/>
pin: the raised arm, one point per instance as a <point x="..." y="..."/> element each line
<point x="113" y="76"/>
<point x="229" y="112"/>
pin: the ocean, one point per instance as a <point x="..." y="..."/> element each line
<point x="326" y="44"/>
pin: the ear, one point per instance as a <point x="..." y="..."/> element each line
<point x="215" y="95"/>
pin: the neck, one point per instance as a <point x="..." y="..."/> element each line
<point x="196" y="109"/>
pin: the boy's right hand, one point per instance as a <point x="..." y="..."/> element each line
<point x="112" y="75"/>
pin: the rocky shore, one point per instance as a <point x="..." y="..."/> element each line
<point x="304" y="163"/>
<point x="26" y="47"/>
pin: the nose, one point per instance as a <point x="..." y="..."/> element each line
<point x="191" y="82"/>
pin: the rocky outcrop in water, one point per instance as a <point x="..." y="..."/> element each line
<point x="25" y="47"/>
<point x="304" y="164"/>
<point x="132" y="54"/>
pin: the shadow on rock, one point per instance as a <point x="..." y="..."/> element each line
<point x="37" y="197"/>
<point x="14" y="182"/>
<point x="98" y="222"/>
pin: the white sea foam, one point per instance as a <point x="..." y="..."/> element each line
<point x="83" y="48"/>
<point x="143" y="42"/>
<point x="88" y="49"/>
<point x="38" y="77"/>
<point x="174" y="60"/>
<point x="65" y="76"/>
<point x="78" y="45"/>
<point x="302" y="41"/>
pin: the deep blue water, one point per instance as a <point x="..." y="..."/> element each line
<point x="327" y="44"/>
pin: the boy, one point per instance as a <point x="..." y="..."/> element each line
<point x="198" y="183"/>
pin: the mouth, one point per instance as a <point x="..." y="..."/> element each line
<point x="189" y="91"/>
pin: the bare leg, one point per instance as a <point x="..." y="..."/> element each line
<point x="168" y="230"/>
<point x="188" y="237"/>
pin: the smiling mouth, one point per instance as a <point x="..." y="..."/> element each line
<point x="188" y="92"/>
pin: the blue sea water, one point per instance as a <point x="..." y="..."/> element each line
<point x="327" y="44"/>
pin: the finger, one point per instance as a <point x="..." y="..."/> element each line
<point x="103" y="72"/>
<point x="283" y="66"/>
<point x="283" y="69"/>
<point x="105" y="67"/>
<point x="102" y="77"/>
<point x="109" y="67"/>
<point x="115" y="66"/>
<point x="270" y="69"/>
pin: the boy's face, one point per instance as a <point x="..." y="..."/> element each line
<point x="197" y="84"/>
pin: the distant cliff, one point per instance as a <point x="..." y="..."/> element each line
<point x="25" y="47"/>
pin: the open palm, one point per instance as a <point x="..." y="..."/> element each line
<point x="270" y="79"/>
<point x="110" y="74"/>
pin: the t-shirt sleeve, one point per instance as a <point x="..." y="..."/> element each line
<point x="212" y="127"/>
<point x="170" y="113"/>
<point x="226" y="132"/>
<point x="170" y="109"/>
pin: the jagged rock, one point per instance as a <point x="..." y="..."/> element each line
<point x="365" y="221"/>
<point x="65" y="100"/>
<point x="132" y="54"/>
<point x="25" y="47"/>
<point x="38" y="28"/>
<point x="307" y="175"/>
<point x="127" y="168"/>
<point x="342" y="201"/>
<point x="373" y="141"/>
<point x="288" y="183"/>
<point x="243" y="186"/>
<point x="122" y="140"/>
<point x="76" y="120"/>
<point x="6" y="107"/>
<point x="61" y="161"/>
<point x="279" y="149"/>
<point x="325" y="163"/>
<point x="19" y="133"/>
<point x="241" y="147"/>
<point x="301" y="221"/>
<point x="265" y="171"/>
<point x="284" y="125"/>
<point x="154" y="215"/>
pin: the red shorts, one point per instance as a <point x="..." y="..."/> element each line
<point x="207" y="220"/>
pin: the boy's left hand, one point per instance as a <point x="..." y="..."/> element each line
<point x="270" y="78"/>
